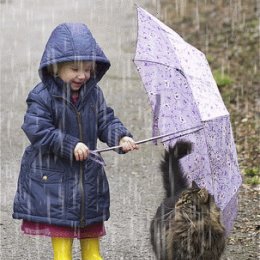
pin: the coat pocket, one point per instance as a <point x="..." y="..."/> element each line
<point x="47" y="193"/>
<point x="47" y="163"/>
<point x="47" y="175"/>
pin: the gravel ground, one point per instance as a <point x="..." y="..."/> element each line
<point x="135" y="183"/>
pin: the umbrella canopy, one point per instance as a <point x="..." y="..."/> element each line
<point x="184" y="97"/>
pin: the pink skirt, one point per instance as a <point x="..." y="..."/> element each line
<point x="91" y="231"/>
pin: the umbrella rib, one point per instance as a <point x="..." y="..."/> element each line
<point x="160" y="63"/>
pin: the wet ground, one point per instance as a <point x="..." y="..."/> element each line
<point x="134" y="179"/>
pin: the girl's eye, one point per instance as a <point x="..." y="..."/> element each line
<point x="93" y="70"/>
<point x="90" y="70"/>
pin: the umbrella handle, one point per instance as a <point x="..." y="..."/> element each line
<point x="177" y="134"/>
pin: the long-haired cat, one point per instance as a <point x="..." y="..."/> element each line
<point x="187" y="224"/>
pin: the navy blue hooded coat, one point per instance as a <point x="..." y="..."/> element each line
<point x="53" y="187"/>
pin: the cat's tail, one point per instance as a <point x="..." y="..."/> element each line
<point x="174" y="181"/>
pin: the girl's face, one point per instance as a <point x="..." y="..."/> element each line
<point x="76" y="73"/>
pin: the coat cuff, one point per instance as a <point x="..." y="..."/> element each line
<point x="68" y="145"/>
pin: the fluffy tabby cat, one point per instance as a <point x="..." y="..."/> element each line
<point x="187" y="224"/>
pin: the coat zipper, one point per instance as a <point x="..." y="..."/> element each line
<point x="81" y="186"/>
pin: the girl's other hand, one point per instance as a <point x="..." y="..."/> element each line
<point x="81" y="152"/>
<point x="128" y="144"/>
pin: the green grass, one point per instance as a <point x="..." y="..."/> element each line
<point x="252" y="176"/>
<point x="222" y="79"/>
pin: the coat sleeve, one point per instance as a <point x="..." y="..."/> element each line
<point x="39" y="127"/>
<point x="110" y="128"/>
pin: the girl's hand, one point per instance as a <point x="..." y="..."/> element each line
<point x="128" y="144"/>
<point x="81" y="152"/>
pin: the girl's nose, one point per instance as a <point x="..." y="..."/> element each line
<point x="83" y="75"/>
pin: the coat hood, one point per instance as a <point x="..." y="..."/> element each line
<point x="72" y="42"/>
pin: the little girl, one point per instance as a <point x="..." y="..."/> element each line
<point x="62" y="192"/>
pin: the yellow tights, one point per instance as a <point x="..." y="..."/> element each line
<point x="62" y="248"/>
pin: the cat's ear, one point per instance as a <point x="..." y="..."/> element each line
<point x="204" y="195"/>
<point x="194" y="185"/>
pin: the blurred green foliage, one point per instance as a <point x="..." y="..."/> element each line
<point x="252" y="175"/>
<point x="222" y="79"/>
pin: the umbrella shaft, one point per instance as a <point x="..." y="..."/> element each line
<point x="176" y="135"/>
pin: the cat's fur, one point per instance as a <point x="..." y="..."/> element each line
<point x="187" y="224"/>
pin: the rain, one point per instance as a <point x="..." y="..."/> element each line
<point x="134" y="179"/>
